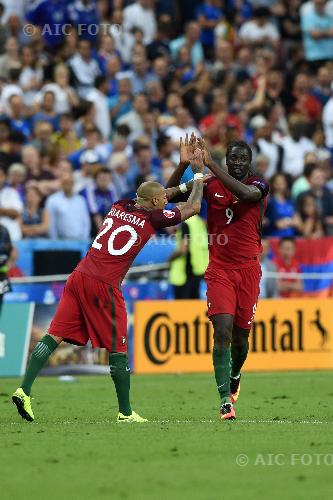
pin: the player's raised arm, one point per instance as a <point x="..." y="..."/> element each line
<point x="186" y="151"/>
<point x="238" y="159"/>
<point x="193" y="204"/>
<point x="181" y="193"/>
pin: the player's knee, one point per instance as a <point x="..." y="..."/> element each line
<point x="222" y="340"/>
<point x="240" y="340"/>
<point x="222" y="331"/>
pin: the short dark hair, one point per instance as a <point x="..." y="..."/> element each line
<point x="102" y="170"/>
<point x="309" y="168"/>
<point x="239" y="144"/>
<point x="161" y="141"/>
<point x="14" y="74"/>
<point x="17" y="137"/>
<point x="286" y="239"/>
<point x="99" y="80"/>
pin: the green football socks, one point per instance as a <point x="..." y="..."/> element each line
<point x="221" y="361"/>
<point x="238" y="357"/>
<point x="121" y="375"/>
<point x="39" y="356"/>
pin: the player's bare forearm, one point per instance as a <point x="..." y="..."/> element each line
<point x="193" y="205"/>
<point x="177" y="174"/>
<point x="242" y="191"/>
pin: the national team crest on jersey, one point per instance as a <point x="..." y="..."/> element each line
<point x="169" y="214"/>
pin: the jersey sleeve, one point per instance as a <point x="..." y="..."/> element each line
<point x="207" y="188"/>
<point x="165" y="218"/>
<point x="260" y="184"/>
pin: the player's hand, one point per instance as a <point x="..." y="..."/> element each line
<point x="207" y="158"/>
<point x="197" y="163"/>
<point x="186" y="148"/>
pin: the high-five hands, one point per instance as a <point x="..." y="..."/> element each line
<point x="187" y="148"/>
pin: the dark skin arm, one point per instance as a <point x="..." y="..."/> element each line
<point x="193" y="204"/>
<point x="242" y="191"/>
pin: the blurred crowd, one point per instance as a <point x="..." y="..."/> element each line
<point x="96" y="94"/>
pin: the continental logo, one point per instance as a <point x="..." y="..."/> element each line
<point x="166" y="337"/>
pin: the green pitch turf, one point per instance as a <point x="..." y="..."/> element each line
<point x="75" y="450"/>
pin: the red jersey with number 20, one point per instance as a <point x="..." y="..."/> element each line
<point x="125" y="231"/>
<point x="234" y="226"/>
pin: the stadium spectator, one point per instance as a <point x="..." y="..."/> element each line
<point x="84" y="67"/>
<point x="121" y="102"/>
<point x="18" y="118"/>
<point x="295" y="146"/>
<point x="264" y="145"/>
<point x="302" y="183"/>
<point x="280" y="211"/>
<point x="11" y="208"/>
<point x="69" y="216"/>
<point x="308" y="220"/>
<point x="262" y="165"/>
<point x="46" y="111"/>
<point x="11" y="58"/>
<point x="183" y="125"/>
<point x="317" y="29"/>
<point x="268" y="285"/>
<point x="306" y="105"/>
<point x="208" y="14"/>
<point x="328" y="121"/>
<point x="98" y="96"/>
<point x="286" y="262"/>
<point x="190" y="40"/>
<point x="83" y="15"/>
<point x="99" y="197"/>
<point x="52" y="13"/>
<point x="322" y="88"/>
<point x="35" y="219"/>
<point x="16" y="177"/>
<point x="12" y="87"/>
<point x="259" y="31"/>
<point x="42" y="134"/>
<point x="140" y="15"/>
<point x="141" y="164"/>
<point x="140" y="75"/>
<point x="65" y="96"/>
<point x="134" y="118"/>
<point x="323" y="196"/>
<point x="65" y="139"/>
<point x="31" y="76"/>
<point x="38" y="175"/>
<point x="89" y="164"/>
<point x="14" y="271"/>
<point x="119" y="166"/>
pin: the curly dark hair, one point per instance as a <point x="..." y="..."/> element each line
<point x="239" y="144"/>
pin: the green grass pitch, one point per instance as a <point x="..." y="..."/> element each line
<point x="75" y="450"/>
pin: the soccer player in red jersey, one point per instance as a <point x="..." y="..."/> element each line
<point x="236" y="201"/>
<point x="92" y="306"/>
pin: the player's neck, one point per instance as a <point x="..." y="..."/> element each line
<point x="143" y="205"/>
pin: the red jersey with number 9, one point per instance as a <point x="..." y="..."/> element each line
<point x="125" y="231"/>
<point x="234" y="226"/>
